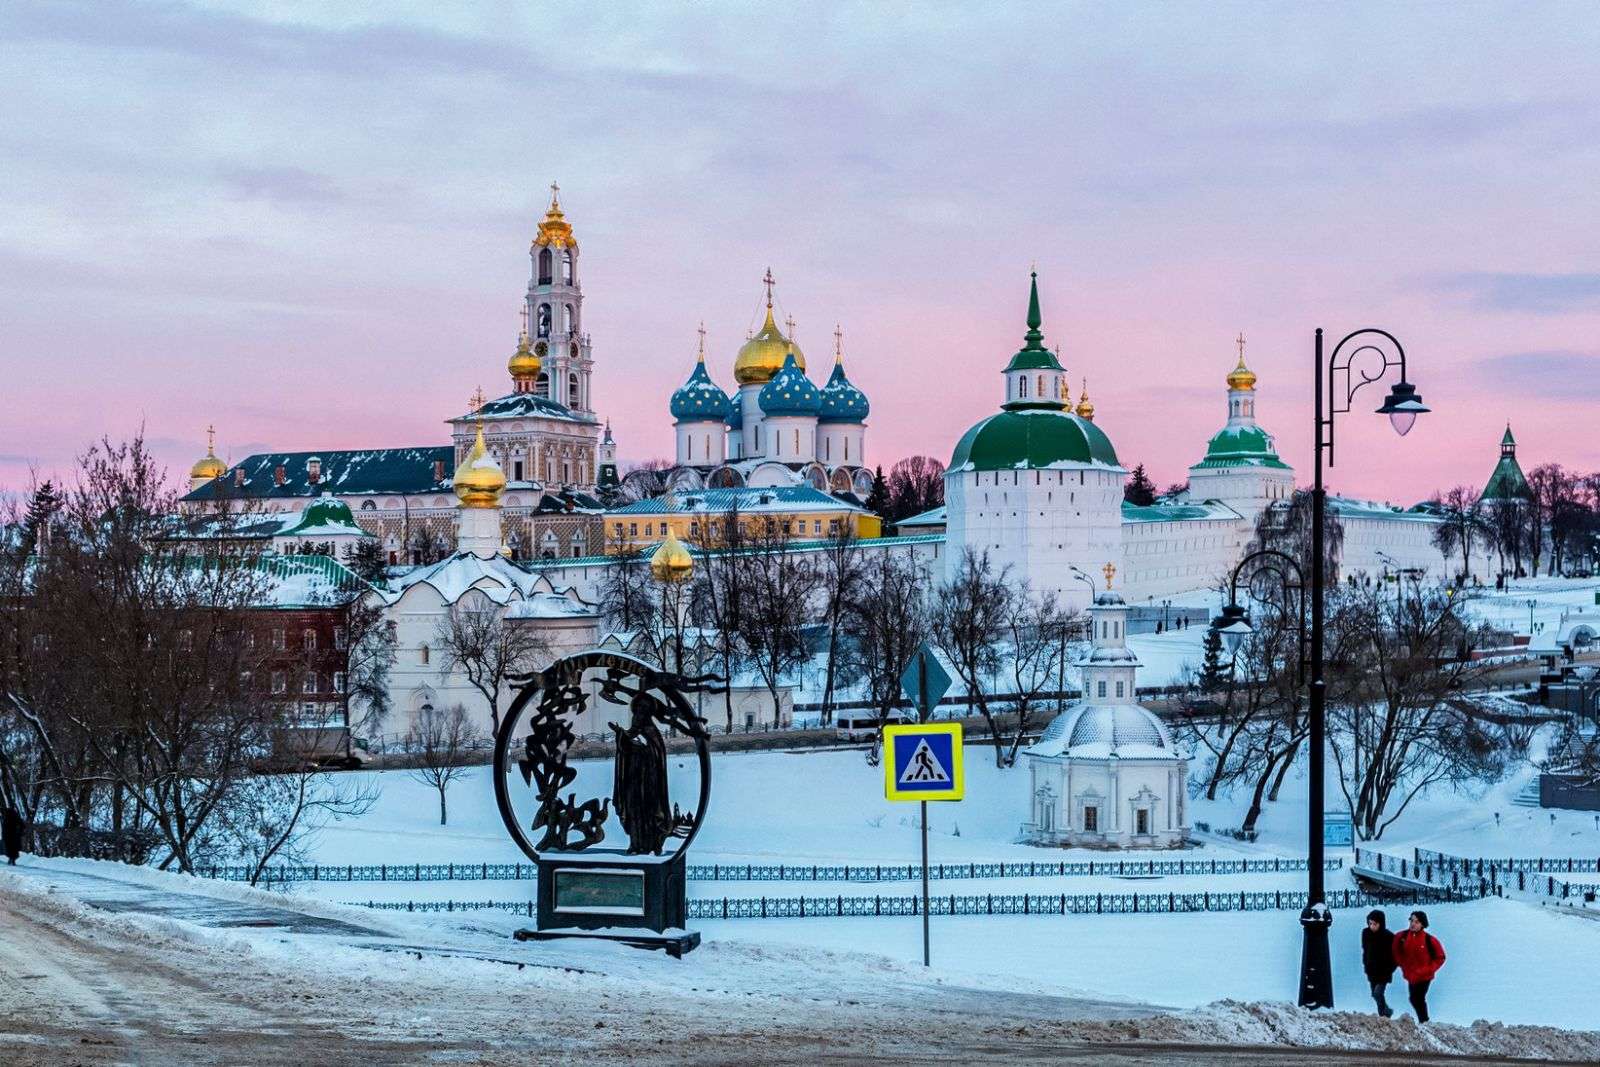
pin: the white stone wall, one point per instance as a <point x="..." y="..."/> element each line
<point x="1039" y="523"/>
<point x="791" y="438"/>
<point x="1163" y="558"/>
<point x="1117" y="789"/>
<point x="701" y="443"/>
<point x="841" y="444"/>
<point x="1247" y="490"/>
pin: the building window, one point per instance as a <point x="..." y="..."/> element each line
<point x="280" y="640"/>
<point x="1091" y="820"/>
<point x="422" y="658"/>
<point x="694" y="529"/>
<point x="1119" y="689"/>
<point x="516" y="471"/>
<point x="816" y="526"/>
<point x="1099" y="689"/>
<point x="1141" y="821"/>
<point x="185" y="639"/>
<point x="280" y="682"/>
<point x="633" y="529"/>
<point x="309" y="685"/>
<point x="341" y="637"/>
<point x="338" y="681"/>
<point x="833" y="527"/>
<point x="308" y="640"/>
<point x="618" y="528"/>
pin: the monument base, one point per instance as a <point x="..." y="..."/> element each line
<point x="608" y="893"/>
<point x="673" y="943"/>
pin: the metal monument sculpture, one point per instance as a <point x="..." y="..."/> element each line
<point x="636" y="894"/>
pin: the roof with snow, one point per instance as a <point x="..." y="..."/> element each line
<point x="501" y="580"/>
<point x="1185" y="512"/>
<point x="307" y="581"/>
<point x="789" y="498"/>
<point x="1100" y="731"/>
<point x="525" y="406"/>
<point x="932" y="517"/>
<point x="363" y="470"/>
<point x="1240" y="446"/>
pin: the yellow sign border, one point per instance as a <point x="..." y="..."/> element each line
<point x="958" y="774"/>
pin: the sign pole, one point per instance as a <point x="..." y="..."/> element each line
<point x="925" y="883"/>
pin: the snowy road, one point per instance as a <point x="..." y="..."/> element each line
<point x="189" y="972"/>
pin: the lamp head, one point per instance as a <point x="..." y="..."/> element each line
<point x="1233" y="626"/>
<point x="1403" y="405"/>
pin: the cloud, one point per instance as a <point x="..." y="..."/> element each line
<point x="284" y="185"/>
<point x="1540" y="294"/>
<point x="1550" y="375"/>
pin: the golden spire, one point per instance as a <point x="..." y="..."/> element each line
<point x="763" y="353"/>
<point x="1110" y="571"/>
<point x="554" y="229"/>
<point x="479" y="479"/>
<point x="671" y="562"/>
<point x="768" y="281"/>
<point x="476" y="400"/>
<point x="838" y="346"/>
<point x="1241" y="377"/>
<point x="702" y="355"/>
<point x="1085" y="405"/>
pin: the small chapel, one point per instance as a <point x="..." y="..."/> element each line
<point x="1105" y="773"/>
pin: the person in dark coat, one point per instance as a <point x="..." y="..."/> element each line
<point x="1420" y="955"/>
<point x="11" y="826"/>
<point x="1377" y="959"/>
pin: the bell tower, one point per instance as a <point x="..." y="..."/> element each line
<point x="555" y="312"/>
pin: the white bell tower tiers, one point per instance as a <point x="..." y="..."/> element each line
<point x="555" y="312"/>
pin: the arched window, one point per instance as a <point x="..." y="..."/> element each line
<point x="545" y="262"/>
<point x="1039" y="390"/>
<point x="566" y="268"/>
<point x="1022" y="387"/>
<point x="569" y="318"/>
<point x="573" y="400"/>
<point x="797" y="442"/>
<point x="542" y="385"/>
<point x="544" y="320"/>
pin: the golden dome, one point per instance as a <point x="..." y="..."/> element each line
<point x="479" y="480"/>
<point x="671" y="562"/>
<point x="762" y="356"/>
<point x="554" y="229"/>
<point x="209" y="466"/>
<point x="1241" y="377"/>
<point x="1085" y="407"/>
<point x="525" y="363"/>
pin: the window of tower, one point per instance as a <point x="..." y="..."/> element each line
<point x="797" y="442"/>
<point x="572" y="390"/>
<point x="545" y="263"/>
<point x="516" y="471"/>
<point x="1039" y="389"/>
<point x="544" y="320"/>
<point x="569" y="318"/>
<point x="566" y="268"/>
<point x="542" y="385"/>
<point x="1022" y="387"/>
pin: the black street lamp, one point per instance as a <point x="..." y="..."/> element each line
<point x="1402" y="405"/>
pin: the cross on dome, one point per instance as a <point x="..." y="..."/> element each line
<point x="768" y="281"/>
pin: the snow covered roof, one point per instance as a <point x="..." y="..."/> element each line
<point x="523" y="406"/>
<point x="498" y="578"/>
<point x="1100" y="731"/>
<point x="370" y="470"/>
<point x="307" y="581"/>
<point x="1186" y="512"/>
<point x="785" y="499"/>
<point x="932" y="517"/>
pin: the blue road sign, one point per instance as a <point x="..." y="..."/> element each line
<point x="923" y="762"/>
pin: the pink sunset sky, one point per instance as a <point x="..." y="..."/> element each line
<point x="309" y="223"/>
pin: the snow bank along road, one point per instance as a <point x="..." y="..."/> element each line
<point x="102" y="965"/>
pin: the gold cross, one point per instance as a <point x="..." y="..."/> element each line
<point x="702" y="340"/>
<point x="838" y="343"/>
<point x="555" y="193"/>
<point x="524" y="320"/>
<point x="211" y="439"/>
<point x="477" y="398"/>
<point x="768" y="281"/>
<point x="789" y="322"/>
<point x="1240" y="342"/>
<point x="1110" y="571"/>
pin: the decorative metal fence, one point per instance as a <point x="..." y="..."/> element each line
<point x="777" y="872"/>
<point x="979" y="904"/>
<point x="1483" y="876"/>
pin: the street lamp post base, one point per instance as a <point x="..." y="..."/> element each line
<point x="1316" y="970"/>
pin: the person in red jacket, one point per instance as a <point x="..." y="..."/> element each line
<point x="1420" y="956"/>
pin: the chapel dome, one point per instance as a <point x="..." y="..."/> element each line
<point x="1241" y="377"/>
<point x="762" y="356"/>
<point x="841" y="400"/>
<point x="1104" y="729"/>
<point x="790" y="392"/>
<point x="524" y="362"/>
<point x="1032" y="438"/>
<point x="1241" y="446"/>
<point x="208" y="467"/>
<point x="699" y="399"/>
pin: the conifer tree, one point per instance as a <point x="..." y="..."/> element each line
<point x="1140" y="490"/>
<point x="878" y="498"/>
<point x="1213" y="673"/>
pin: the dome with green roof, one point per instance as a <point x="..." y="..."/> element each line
<point x="1031" y="439"/>
<point x="1241" y="446"/>
<point x="1033" y="355"/>
<point x="1507" y="481"/>
<point x="699" y="399"/>
<point x="789" y="392"/>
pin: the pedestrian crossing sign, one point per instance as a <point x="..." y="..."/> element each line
<point x="922" y="761"/>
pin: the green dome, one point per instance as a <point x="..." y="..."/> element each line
<point x="1241" y="446"/>
<point x="1028" y="439"/>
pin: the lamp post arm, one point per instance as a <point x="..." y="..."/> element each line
<point x="1341" y="370"/>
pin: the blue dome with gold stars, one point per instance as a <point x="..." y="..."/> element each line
<point x="842" y="401"/>
<point x="699" y="399"/>
<point x="790" y="392"/>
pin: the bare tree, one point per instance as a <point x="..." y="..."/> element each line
<point x="969" y="617"/>
<point x="1397" y="726"/>
<point x="915" y="484"/>
<point x="278" y="811"/>
<point x="624" y="591"/>
<point x="777" y="588"/>
<point x="718" y="596"/>
<point x="479" y="641"/>
<point x="887" y="621"/>
<point x="838" y="569"/>
<point x="1462" y="524"/>
<point x="440" y="739"/>
<point x="1038" y="631"/>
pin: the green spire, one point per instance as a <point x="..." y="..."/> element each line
<point x="1033" y="336"/>
<point x="1508" y="439"/>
